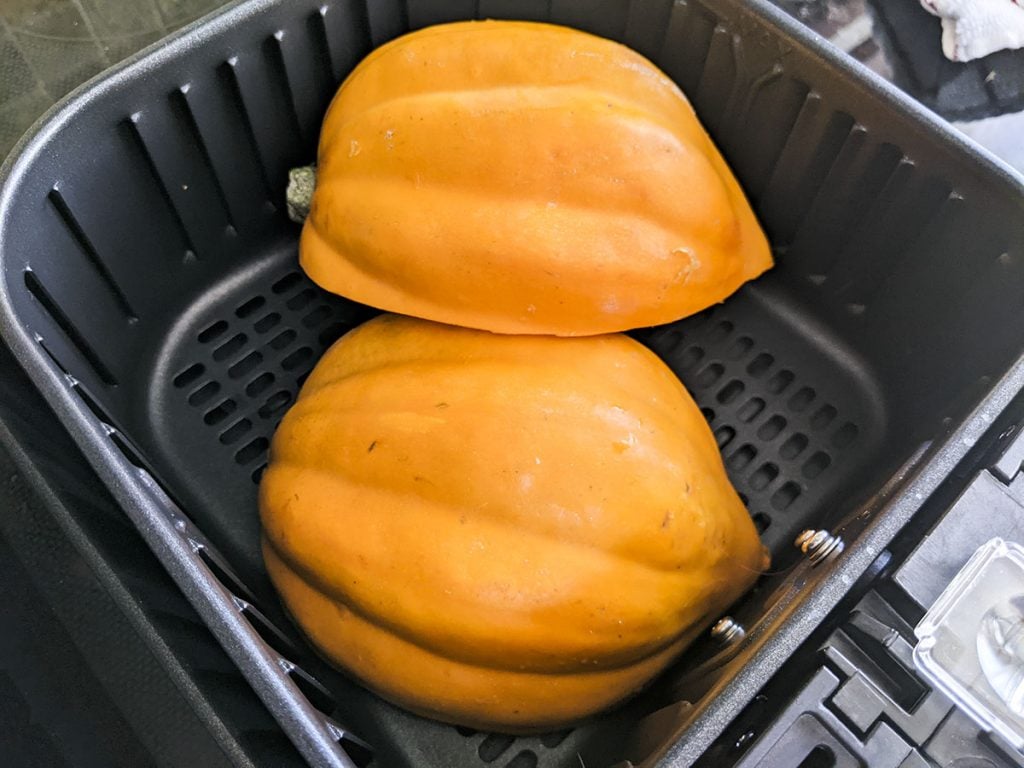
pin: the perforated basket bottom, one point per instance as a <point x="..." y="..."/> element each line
<point x="795" y="415"/>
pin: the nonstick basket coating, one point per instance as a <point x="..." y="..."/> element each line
<point x="151" y="290"/>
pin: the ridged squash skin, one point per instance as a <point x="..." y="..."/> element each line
<point x="524" y="178"/>
<point x="509" y="533"/>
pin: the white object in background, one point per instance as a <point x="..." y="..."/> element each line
<point x="975" y="28"/>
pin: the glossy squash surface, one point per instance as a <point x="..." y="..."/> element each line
<point x="524" y="178"/>
<point x="508" y="533"/>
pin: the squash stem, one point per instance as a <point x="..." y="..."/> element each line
<point x="299" y="196"/>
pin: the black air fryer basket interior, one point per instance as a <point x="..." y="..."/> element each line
<point x="151" y="290"/>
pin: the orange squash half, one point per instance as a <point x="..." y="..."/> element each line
<point x="524" y="178"/>
<point x="509" y="533"/>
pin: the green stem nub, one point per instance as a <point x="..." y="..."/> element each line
<point x="299" y="196"/>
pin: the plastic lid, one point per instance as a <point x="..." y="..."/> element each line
<point x="971" y="642"/>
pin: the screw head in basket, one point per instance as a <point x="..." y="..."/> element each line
<point x="728" y="631"/>
<point x="819" y="545"/>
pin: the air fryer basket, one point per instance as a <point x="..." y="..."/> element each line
<point x="150" y="289"/>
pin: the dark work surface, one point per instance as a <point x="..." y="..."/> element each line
<point x="47" y="47"/>
<point x="52" y="712"/>
<point x="78" y="687"/>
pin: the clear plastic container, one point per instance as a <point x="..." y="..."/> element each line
<point x="971" y="642"/>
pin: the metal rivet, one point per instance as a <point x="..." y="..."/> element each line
<point x="728" y="631"/>
<point x="819" y="545"/>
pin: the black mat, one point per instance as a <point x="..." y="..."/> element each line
<point x="986" y="87"/>
<point x="78" y="687"/>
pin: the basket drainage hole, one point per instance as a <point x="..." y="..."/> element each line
<point x="283" y="339"/>
<point x="721" y="332"/>
<point x="465" y="732"/>
<point x="230" y="347"/>
<point x="759" y="365"/>
<point x="266" y="322"/>
<point x="297" y="358"/>
<point x="257" y="474"/>
<point x="730" y="391"/>
<point x="301" y="299"/>
<point x="804" y="397"/>
<point x="250" y="306"/>
<point x="316" y="317"/>
<point x="260" y="384"/>
<point x="691" y="357"/>
<point x="708" y="414"/>
<point x="670" y="339"/>
<point x="778" y="383"/>
<point x="724" y="436"/>
<point x="494" y="746"/>
<point x="764" y="476"/>
<point x="761" y="522"/>
<point x="823" y="417"/>
<point x="709" y="375"/>
<point x="286" y="283"/>
<point x="552" y="740"/>
<point x="189" y="375"/>
<point x="246" y="365"/>
<point x="211" y="332"/>
<point x="743" y="456"/>
<point x="204" y="393"/>
<point x="740" y="348"/>
<point x="276" y="402"/>
<point x="771" y="428"/>
<point x="235" y="432"/>
<point x="252" y="450"/>
<point x="700" y="319"/>
<point x="785" y="496"/>
<point x="794" y="446"/>
<point x="525" y="759"/>
<point x="750" y="410"/>
<point x="817" y="464"/>
<point x="219" y="412"/>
